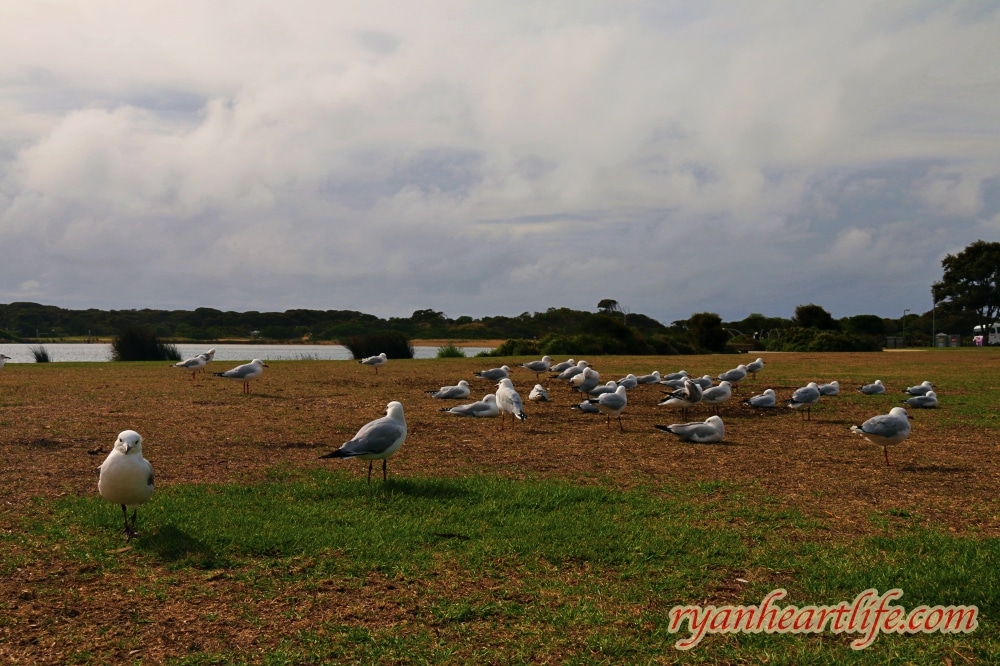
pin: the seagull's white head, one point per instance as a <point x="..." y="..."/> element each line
<point x="899" y="412"/>
<point x="394" y="410"/>
<point x="129" y="441"/>
<point x="505" y="383"/>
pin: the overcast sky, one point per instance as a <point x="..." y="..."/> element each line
<point x="493" y="158"/>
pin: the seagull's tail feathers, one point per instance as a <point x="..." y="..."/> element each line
<point x="664" y="428"/>
<point x="218" y="374"/>
<point x="334" y="454"/>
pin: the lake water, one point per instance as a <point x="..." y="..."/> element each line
<point x="102" y="352"/>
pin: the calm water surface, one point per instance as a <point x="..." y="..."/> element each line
<point x="102" y="352"/>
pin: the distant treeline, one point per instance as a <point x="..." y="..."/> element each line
<point x="557" y="330"/>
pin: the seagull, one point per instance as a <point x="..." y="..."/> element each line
<point x="451" y="392"/>
<point x="3" y="359"/>
<point x="565" y="365"/>
<point x="494" y="374"/>
<point x="377" y="440"/>
<point x="586" y="380"/>
<point x="485" y="407"/>
<point x="873" y="389"/>
<point x="680" y="374"/>
<point x="509" y="401"/>
<point x="209" y="356"/>
<point x="126" y="478"/>
<point x="765" y="400"/>
<point x="701" y="432"/>
<point x="375" y="361"/>
<point x="717" y="395"/>
<point x="734" y="376"/>
<point x="705" y="381"/>
<point x="683" y="398"/>
<point x="629" y="381"/>
<point x="193" y="364"/>
<point x="886" y="429"/>
<point x="538" y="367"/>
<point x="538" y="394"/>
<point x="807" y="396"/>
<point x="572" y="371"/>
<point x="587" y="407"/>
<point x="927" y="401"/>
<point x="245" y="373"/>
<point x="919" y="389"/>
<point x="608" y="387"/>
<point x="652" y="378"/>
<point x="755" y="366"/>
<point x="833" y="388"/>
<point x="612" y="404"/>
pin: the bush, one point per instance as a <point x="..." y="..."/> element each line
<point x="41" y="354"/>
<point x="138" y="343"/>
<point x="393" y="343"/>
<point x="815" y="340"/>
<point x="514" y="347"/>
<point x="450" y="351"/>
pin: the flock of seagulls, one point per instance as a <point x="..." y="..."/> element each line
<point x="126" y="477"/>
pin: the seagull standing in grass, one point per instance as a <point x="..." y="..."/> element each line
<point x="885" y="429"/>
<point x="126" y="478"/>
<point x="683" y="398"/>
<point x="612" y="404"/>
<point x="509" y="402"/>
<point x="375" y="361"/>
<point x="701" y="432"/>
<point x="494" y="374"/>
<point x="485" y="407"/>
<point x="193" y="365"/>
<point x="734" y="376"/>
<point x="245" y="373"/>
<point x="717" y="395"/>
<point x="209" y="356"/>
<point x="377" y="440"/>
<point x="807" y="396"/>
<point x="572" y="371"/>
<point x="755" y="366"/>
<point x="538" y="367"/>
<point x="458" y="392"/>
<point x="565" y="365"/>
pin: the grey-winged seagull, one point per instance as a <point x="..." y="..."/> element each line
<point x="920" y="389"/>
<point x="538" y="394"/>
<point x="701" y="432"/>
<point x="126" y="478"/>
<point x="926" y="401"/>
<point x="375" y="361"/>
<point x="457" y="392"/>
<point x="716" y="395"/>
<point x="377" y="440"/>
<point x="876" y="388"/>
<point x="807" y="396"/>
<point x="765" y="400"/>
<point x="538" y="367"/>
<point x="245" y="373"/>
<point x="481" y="408"/>
<point x="612" y="404"/>
<point x="193" y="365"/>
<point x="509" y="402"/>
<point x="885" y="429"/>
<point x="753" y="367"/>
<point x="833" y="388"/>
<point x="494" y="374"/>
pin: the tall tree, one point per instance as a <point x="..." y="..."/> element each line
<point x="814" y="316"/>
<point x="971" y="282"/>
<point x="707" y="331"/>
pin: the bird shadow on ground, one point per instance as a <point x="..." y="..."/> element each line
<point x="173" y="545"/>
<point x="941" y="469"/>
<point x="430" y="488"/>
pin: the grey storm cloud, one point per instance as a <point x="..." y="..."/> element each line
<point x="495" y="158"/>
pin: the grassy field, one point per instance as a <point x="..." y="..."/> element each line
<point x="560" y="540"/>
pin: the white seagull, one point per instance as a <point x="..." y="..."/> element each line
<point x="701" y="432"/>
<point x="926" y="401"/>
<point x="209" y="356"/>
<point x="572" y="371"/>
<point x="375" y="361"/>
<point x="126" y="478"/>
<point x="494" y="374"/>
<point x="565" y="365"/>
<point x="885" y="429"/>
<point x="833" y="388"/>
<point x="755" y="366"/>
<point x="3" y="359"/>
<point x="586" y="407"/>
<point x="716" y="395"/>
<point x="873" y="389"/>
<point x="586" y="380"/>
<point x="765" y="400"/>
<point x="509" y="402"/>
<point x="538" y="367"/>
<point x="683" y="398"/>
<point x="734" y="376"/>
<point x="629" y="381"/>
<point x="485" y="407"/>
<point x="377" y="440"/>
<point x="919" y="389"/>
<point x="458" y="392"/>
<point x="193" y="365"/>
<point x="612" y="404"/>
<point x="538" y="394"/>
<point x="652" y="378"/>
<point x="245" y="373"/>
<point x="807" y="396"/>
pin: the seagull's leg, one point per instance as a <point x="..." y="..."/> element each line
<point x="620" y="424"/>
<point x="370" y="463"/>
<point x="125" y="515"/>
<point x="384" y="477"/>
<point x="885" y="450"/>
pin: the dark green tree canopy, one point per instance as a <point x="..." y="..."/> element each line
<point x="815" y="316"/>
<point x="707" y="331"/>
<point x="971" y="282"/>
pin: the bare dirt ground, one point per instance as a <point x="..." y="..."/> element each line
<point x="57" y="422"/>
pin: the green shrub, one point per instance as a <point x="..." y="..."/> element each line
<point x="393" y="343"/>
<point x="41" y="354"/>
<point x="450" y="351"/>
<point x="814" y="340"/>
<point x="138" y="343"/>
